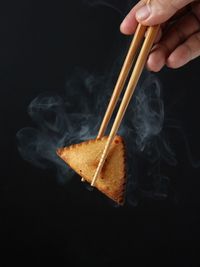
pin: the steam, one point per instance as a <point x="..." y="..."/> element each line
<point x="103" y="3"/>
<point x="76" y="116"/>
<point x="59" y="121"/>
<point x="121" y="7"/>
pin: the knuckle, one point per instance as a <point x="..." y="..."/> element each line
<point x="197" y="36"/>
<point x="175" y="5"/>
<point x="196" y="10"/>
<point x="188" y="50"/>
<point x="160" y="7"/>
<point x="180" y="33"/>
<point x="164" y="9"/>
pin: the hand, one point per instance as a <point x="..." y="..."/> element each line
<point x="178" y="41"/>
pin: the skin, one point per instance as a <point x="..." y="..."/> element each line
<point x="178" y="41"/>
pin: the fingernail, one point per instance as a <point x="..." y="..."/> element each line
<point x="143" y="13"/>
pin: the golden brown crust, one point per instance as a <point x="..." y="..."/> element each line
<point x="84" y="157"/>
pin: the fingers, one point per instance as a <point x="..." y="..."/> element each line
<point x="178" y="41"/>
<point x="162" y="53"/>
<point x="156" y="12"/>
<point x="157" y="58"/>
<point x="190" y="49"/>
<point x="186" y="52"/>
<point x="159" y="11"/>
<point x="129" y="24"/>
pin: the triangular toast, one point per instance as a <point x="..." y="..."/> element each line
<point x="84" y="157"/>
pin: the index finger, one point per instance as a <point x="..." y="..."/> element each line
<point x="129" y="24"/>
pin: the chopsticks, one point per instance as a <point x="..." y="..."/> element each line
<point x="150" y="35"/>
<point x="136" y="42"/>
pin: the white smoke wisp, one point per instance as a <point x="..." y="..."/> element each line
<point x="76" y="116"/>
<point x="118" y="6"/>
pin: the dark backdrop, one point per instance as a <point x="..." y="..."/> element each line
<point x="43" y="221"/>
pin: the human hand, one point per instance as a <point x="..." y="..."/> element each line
<point x="178" y="41"/>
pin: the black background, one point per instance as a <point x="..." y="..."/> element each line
<point x="45" y="222"/>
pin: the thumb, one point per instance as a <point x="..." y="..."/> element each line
<point x="159" y="11"/>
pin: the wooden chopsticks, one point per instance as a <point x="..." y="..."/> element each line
<point x="136" y="42"/>
<point x="150" y="35"/>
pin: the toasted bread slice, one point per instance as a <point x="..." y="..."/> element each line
<point x="83" y="158"/>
